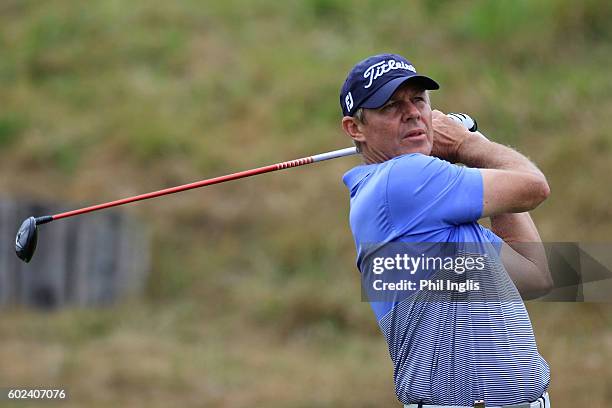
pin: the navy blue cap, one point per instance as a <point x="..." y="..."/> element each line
<point x="372" y="81"/>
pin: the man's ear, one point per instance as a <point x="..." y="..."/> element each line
<point x="353" y="128"/>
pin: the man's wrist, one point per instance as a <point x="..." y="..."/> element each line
<point x="472" y="148"/>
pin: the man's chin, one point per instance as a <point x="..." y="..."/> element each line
<point x="422" y="148"/>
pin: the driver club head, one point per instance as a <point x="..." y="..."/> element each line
<point x="26" y="239"/>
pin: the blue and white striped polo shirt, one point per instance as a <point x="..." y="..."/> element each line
<point x="444" y="351"/>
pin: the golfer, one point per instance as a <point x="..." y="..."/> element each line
<point x="409" y="190"/>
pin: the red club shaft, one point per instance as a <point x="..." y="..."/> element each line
<point x="207" y="182"/>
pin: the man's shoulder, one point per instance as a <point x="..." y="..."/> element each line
<point x="415" y="165"/>
<point x="417" y="161"/>
<point x="418" y="170"/>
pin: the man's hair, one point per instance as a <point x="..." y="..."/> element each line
<point x="359" y="117"/>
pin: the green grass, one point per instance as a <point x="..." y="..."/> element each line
<point x="253" y="297"/>
<point x="11" y="126"/>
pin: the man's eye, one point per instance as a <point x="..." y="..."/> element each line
<point x="389" y="106"/>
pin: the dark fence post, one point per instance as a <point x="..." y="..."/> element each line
<point x="81" y="261"/>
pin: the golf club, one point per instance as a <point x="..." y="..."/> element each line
<point x="27" y="235"/>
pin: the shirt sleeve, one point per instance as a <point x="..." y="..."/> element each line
<point x="425" y="193"/>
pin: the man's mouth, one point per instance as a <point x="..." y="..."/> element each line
<point x="414" y="133"/>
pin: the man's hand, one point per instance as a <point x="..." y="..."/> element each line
<point x="448" y="137"/>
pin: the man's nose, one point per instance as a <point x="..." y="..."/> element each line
<point x="410" y="111"/>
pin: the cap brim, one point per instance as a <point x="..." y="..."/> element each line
<point x="382" y="95"/>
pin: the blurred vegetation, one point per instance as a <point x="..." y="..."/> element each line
<point x="254" y="297"/>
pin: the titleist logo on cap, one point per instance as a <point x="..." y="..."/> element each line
<point x="371" y="82"/>
<point x="380" y="68"/>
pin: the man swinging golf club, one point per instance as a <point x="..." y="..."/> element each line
<point x="447" y="353"/>
<point x="408" y="191"/>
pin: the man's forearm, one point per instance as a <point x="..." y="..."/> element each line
<point x="477" y="151"/>
<point x="529" y="270"/>
<point x="515" y="228"/>
<point x="511" y="182"/>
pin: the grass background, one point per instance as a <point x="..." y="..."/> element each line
<point x="253" y="298"/>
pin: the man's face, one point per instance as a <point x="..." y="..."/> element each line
<point x="401" y="126"/>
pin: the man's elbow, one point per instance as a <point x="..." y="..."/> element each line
<point x="544" y="189"/>
<point x="546" y="283"/>
<point x="541" y="284"/>
<point x="536" y="292"/>
<point x="539" y="190"/>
